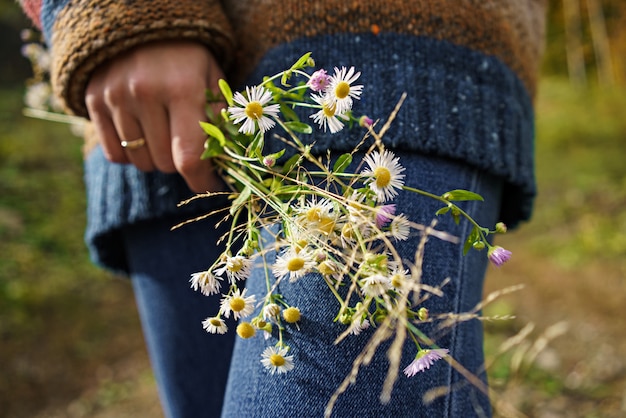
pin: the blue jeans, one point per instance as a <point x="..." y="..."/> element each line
<point x="191" y="366"/>
<point x="321" y="366"/>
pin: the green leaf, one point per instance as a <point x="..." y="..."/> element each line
<point x="275" y="156"/>
<point x="469" y="242"/>
<point x="299" y="127"/>
<point x="255" y="149"/>
<point x="243" y="196"/>
<point x="291" y="163"/>
<point x="212" y="148"/>
<point x="442" y="211"/>
<point x="214" y="132"/>
<point x="459" y="195"/>
<point x="226" y="91"/>
<point x="342" y="163"/>
<point x="288" y="113"/>
<point x="301" y="63"/>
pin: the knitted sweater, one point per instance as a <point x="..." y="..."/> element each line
<point x="469" y="67"/>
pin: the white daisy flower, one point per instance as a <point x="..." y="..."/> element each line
<point x="340" y="90"/>
<point x="398" y="278"/>
<point x="38" y="95"/>
<point x="318" y="215"/>
<point x="313" y="210"/>
<point x="376" y="285"/>
<point x="276" y="360"/>
<point x="253" y="110"/>
<point x="293" y="264"/>
<point x="271" y="312"/>
<point x="384" y="172"/>
<point x="400" y="227"/>
<point x="236" y="268"/>
<point x="215" y="325"/>
<point x="358" y="325"/>
<point x="238" y="303"/>
<point x="327" y="117"/>
<point x="206" y="282"/>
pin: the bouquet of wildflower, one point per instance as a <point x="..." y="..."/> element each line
<point x="341" y="225"/>
<point x="326" y="220"/>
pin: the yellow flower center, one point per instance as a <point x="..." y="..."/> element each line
<point x="347" y="231"/>
<point x="291" y="314"/>
<point x="300" y="245"/>
<point x="295" y="264"/>
<point x="397" y="280"/>
<point x="383" y="176"/>
<point x="313" y="214"/>
<point x="254" y="110"/>
<point x="325" y="268"/>
<point x="237" y="304"/>
<point x="277" y="360"/>
<point x="329" y="111"/>
<point x="342" y="90"/>
<point x="245" y="330"/>
<point x="235" y="265"/>
<point x="215" y="322"/>
<point x="326" y="225"/>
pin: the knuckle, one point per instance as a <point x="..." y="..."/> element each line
<point x="142" y="88"/>
<point x="94" y="101"/>
<point x="114" y="95"/>
<point x="114" y="156"/>
<point x="187" y="163"/>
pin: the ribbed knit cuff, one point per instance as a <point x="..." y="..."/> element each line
<point x="119" y="195"/>
<point x="461" y="104"/>
<point x="83" y="34"/>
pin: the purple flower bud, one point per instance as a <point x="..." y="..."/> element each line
<point x="498" y="255"/>
<point x="269" y="161"/>
<point x="365" y="122"/>
<point x="384" y="214"/>
<point x="319" y="80"/>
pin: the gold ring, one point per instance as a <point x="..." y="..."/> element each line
<point x="137" y="143"/>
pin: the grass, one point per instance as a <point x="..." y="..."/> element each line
<point x="62" y="319"/>
<point x="572" y="260"/>
<point x="581" y="175"/>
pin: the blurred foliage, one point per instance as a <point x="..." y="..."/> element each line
<point x="580" y="147"/>
<point x="13" y="67"/>
<point x="555" y="59"/>
<point x="57" y="311"/>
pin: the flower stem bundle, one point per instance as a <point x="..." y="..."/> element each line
<point x="328" y="218"/>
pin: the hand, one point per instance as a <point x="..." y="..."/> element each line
<point x="157" y="92"/>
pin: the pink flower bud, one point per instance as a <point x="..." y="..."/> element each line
<point x="365" y="122"/>
<point x="319" y="80"/>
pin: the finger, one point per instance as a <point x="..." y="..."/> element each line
<point x="188" y="145"/>
<point x="155" y="126"/>
<point x="129" y="130"/>
<point x="105" y="130"/>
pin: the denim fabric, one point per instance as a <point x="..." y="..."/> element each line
<point x="321" y="366"/>
<point x="190" y="365"/>
<point x="119" y="195"/>
<point x="461" y="104"/>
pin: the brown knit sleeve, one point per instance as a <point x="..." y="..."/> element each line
<point x="88" y="32"/>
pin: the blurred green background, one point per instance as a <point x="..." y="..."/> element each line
<point x="71" y="343"/>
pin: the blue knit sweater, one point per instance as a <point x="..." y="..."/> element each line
<point x="469" y="73"/>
